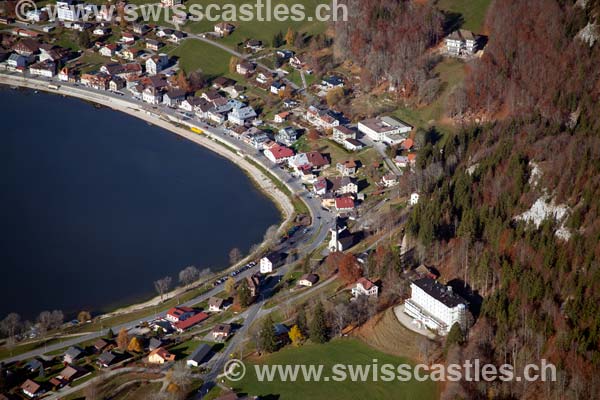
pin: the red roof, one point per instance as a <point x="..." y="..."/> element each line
<point x="412" y="156"/>
<point x="408" y="144"/>
<point x="367" y="284"/>
<point x="344" y="203"/>
<point x="179" y="311"/>
<point x="317" y="159"/>
<point x="191" y="321"/>
<point x="280" y="152"/>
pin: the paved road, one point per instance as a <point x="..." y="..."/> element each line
<point x="306" y="243"/>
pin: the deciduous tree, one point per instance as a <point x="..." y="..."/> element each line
<point x="296" y="336"/>
<point x="123" y="339"/>
<point x="135" y="345"/>
<point x="162" y="286"/>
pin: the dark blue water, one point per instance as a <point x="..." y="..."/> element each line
<point x="95" y="205"/>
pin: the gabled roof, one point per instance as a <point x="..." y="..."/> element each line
<point x="344" y="203"/>
<point x="191" y="321"/>
<point x="281" y="152"/>
<point x="30" y="386"/>
<point x="367" y="284"/>
<point x="200" y="353"/>
<point x="444" y="294"/>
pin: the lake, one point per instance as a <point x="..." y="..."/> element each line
<point x="96" y="205"/>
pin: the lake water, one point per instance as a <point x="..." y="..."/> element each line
<point x="95" y="205"/>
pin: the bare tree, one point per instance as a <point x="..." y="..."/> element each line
<point x="11" y="325"/>
<point x="189" y="275"/>
<point x="162" y="286"/>
<point x="271" y="234"/>
<point x="235" y="255"/>
<point x="44" y="320"/>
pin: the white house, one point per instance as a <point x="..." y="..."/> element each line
<point x="44" y="68"/>
<point x="341" y="133"/>
<point x="436" y="306"/>
<point x="364" y="287"/>
<point x="66" y="10"/>
<point x="414" y="199"/>
<point x="156" y="64"/>
<point x="278" y="154"/>
<point x="461" y="42"/>
<point x="321" y="118"/>
<point x="270" y="262"/>
<point x="151" y="95"/>
<point x="286" y="136"/>
<point x="308" y="280"/>
<point x="385" y="129"/>
<point x="239" y="116"/>
<point x="215" y="304"/>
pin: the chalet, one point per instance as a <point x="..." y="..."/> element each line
<point x="279" y="154"/>
<point x="385" y="129"/>
<point x="173" y="97"/>
<point x="308" y="280"/>
<point x="321" y="118"/>
<point x="281" y="117"/>
<point x="344" y="204"/>
<point x="199" y="356"/>
<point x="347" y="168"/>
<point x="184" y="325"/>
<point x="254" y="45"/>
<point x="364" y="287"/>
<point x="245" y="68"/>
<point x="389" y="180"/>
<point x="177" y="314"/>
<point x="286" y="136"/>
<point x="215" y="304"/>
<point x="436" y="306"/>
<point x="341" y="133"/>
<point x="160" y="356"/>
<point x="106" y="359"/>
<point x="221" y="332"/>
<point x="461" y="43"/>
<point x="44" y="68"/>
<point x="271" y="261"/>
<point x="72" y="354"/>
<point x="153" y="45"/>
<point x="31" y="389"/>
<point x="224" y="29"/>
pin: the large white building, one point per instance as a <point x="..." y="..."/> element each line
<point x="66" y="10"/>
<point x="461" y="42"/>
<point x="385" y="129"/>
<point x="436" y="306"/>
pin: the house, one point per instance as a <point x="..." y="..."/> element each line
<point x="100" y="345"/>
<point x="245" y="68"/>
<point x="347" y="168"/>
<point x="406" y="161"/>
<point x="408" y="144"/>
<point x="156" y="64"/>
<point x="127" y="38"/>
<point x="140" y="29"/>
<point x="277" y="87"/>
<point x="152" y="95"/>
<point x="66" y="10"/>
<point x="177" y="314"/>
<point x="239" y="116"/>
<point x="116" y="84"/>
<point x="222" y="83"/>
<point x="279" y="154"/>
<point x="286" y="136"/>
<point x="341" y="133"/>
<point x="331" y="82"/>
<point x="296" y="62"/>
<point x="182" y="326"/>
<point x="31" y="388"/>
<point x="154" y="344"/>
<point x="106" y="359"/>
<point x="281" y="117"/>
<point x="342" y="185"/>
<point x="153" y="45"/>
<point x="364" y="287"/>
<point x="55" y="54"/>
<point x="67" y="75"/>
<point x="192" y="103"/>
<point x="341" y="238"/>
<point x="170" y="3"/>
<point x="163" y="32"/>
<point x="324" y="119"/>
<point x="160" y="356"/>
<point x="221" y="332"/>
<point x="34" y="365"/>
<point x="176" y="37"/>
<point x="385" y="129"/>
<point x="27" y="47"/>
<point x="44" y="68"/>
<point x="344" y="204"/>
<point x="253" y="284"/>
<point x="70" y="373"/>
<point x="352" y="145"/>
<point x="254" y="45"/>
<point x="308" y="280"/>
<point x="215" y="304"/>
<point x="108" y="50"/>
<point x="461" y="43"/>
<point x="101" y="30"/>
<point x="199" y="356"/>
<point x="284" y="54"/>
<point x="389" y="180"/>
<point x="414" y="199"/>
<point x="271" y="261"/>
<point x="131" y="53"/>
<point x="224" y="29"/>
<point x="312" y="160"/>
<point x="436" y="306"/>
<point x="72" y="354"/>
<point x="173" y="97"/>
<point x="17" y="61"/>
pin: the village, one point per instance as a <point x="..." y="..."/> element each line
<point x="351" y="168"/>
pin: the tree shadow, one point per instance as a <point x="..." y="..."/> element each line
<point x="452" y="21"/>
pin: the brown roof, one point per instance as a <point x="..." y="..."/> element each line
<point x="317" y="159"/>
<point x="215" y="301"/>
<point x="312" y="278"/>
<point x="30" y="386"/>
<point x="222" y="328"/>
<point x="367" y="284"/>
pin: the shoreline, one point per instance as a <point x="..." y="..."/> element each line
<point x="206" y="140"/>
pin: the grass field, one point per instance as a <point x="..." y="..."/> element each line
<point x="344" y="351"/>
<point x="472" y="11"/>
<point x="261" y="30"/>
<point x="194" y="54"/>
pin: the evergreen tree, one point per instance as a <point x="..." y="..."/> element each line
<point x="455" y="336"/>
<point x="110" y="334"/>
<point x="268" y="337"/>
<point x="244" y="295"/>
<point x="318" y="327"/>
<point x="301" y="321"/>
